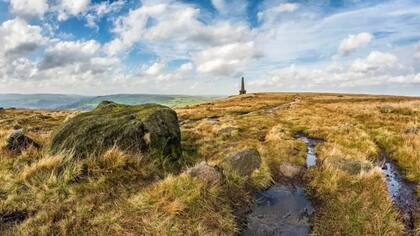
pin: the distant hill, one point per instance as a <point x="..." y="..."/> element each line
<point x="38" y="101"/>
<point x="76" y="102"/>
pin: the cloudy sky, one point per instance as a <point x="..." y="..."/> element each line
<point x="97" y="47"/>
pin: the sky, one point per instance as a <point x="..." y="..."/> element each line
<point x="204" y="47"/>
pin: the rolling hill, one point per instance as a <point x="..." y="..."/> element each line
<point x="77" y="102"/>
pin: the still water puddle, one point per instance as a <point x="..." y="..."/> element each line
<point x="283" y="210"/>
<point x="402" y="193"/>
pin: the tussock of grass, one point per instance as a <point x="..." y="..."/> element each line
<point x="177" y="205"/>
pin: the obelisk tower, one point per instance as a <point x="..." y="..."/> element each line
<point x="242" y="91"/>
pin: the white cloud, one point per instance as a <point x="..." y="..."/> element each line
<point x="374" y="61"/>
<point x="353" y="42"/>
<point x="186" y="67"/>
<point x="18" y="38"/>
<point x="376" y="69"/>
<point x="70" y="52"/>
<point x="155" y="69"/>
<point x="225" y="60"/>
<point x="230" y="8"/>
<point x="67" y="8"/>
<point x="99" y="10"/>
<point x="173" y="27"/>
<point x="270" y="13"/>
<point x="417" y="51"/>
<point x="29" y="7"/>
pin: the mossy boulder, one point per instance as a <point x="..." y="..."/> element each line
<point x="148" y="128"/>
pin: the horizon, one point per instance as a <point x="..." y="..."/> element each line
<point x="204" y="47"/>
<point x="222" y="95"/>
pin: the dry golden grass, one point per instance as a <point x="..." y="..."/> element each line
<point x="121" y="194"/>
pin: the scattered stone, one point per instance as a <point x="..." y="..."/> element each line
<point x="148" y="128"/>
<point x="290" y="170"/>
<point x="386" y="109"/>
<point x="17" y="141"/>
<point x="353" y="167"/>
<point x="244" y="162"/>
<point x="206" y="173"/>
<point x="228" y="131"/>
<point x="412" y="130"/>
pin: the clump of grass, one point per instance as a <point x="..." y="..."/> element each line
<point x="347" y="203"/>
<point x="170" y="205"/>
<point x="396" y="110"/>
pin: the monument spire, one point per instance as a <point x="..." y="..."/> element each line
<point x="242" y="91"/>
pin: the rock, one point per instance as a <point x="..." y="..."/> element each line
<point x="228" y="131"/>
<point x="353" y="167"/>
<point x="386" y="109"/>
<point x="1" y="109"/>
<point x="148" y="128"/>
<point x="290" y="170"/>
<point x="18" y="141"/>
<point x="244" y="162"/>
<point x="206" y="173"/>
<point x="412" y="130"/>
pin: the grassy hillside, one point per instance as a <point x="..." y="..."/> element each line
<point x="134" y="99"/>
<point x="76" y="102"/>
<point x="121" y="194"/>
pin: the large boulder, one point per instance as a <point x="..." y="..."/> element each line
<point x="243" y="162"/>
<point x="148" y="128"/>
<point x="206" y="173"/>
<point x="17" y="141"/>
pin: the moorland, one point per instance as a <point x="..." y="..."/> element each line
<point x="121" y="193"/>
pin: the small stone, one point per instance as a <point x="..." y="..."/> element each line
<point x="290" y="170"/>
<point x="412" y="130"/>
<point x="244" y="162"/>
<point x="18" y="141"/>
<point x="206" y="173"/>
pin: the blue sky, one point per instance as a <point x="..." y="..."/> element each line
<point x="98" y="47"/>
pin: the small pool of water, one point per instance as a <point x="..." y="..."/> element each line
<point x="280" y="210"/>
<point x="310" y="146"/>
<point x="283" y="210"/>
<point x="402" y="193"/>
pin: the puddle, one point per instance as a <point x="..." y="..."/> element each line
<point x="283" y="210"/>
<point x="280" y="210"/>
<point x="403" y="194"/>
<point x="310" y="149"/>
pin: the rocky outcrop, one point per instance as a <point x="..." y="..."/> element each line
<point x="243" y="162"/>
<point x="17" y="141"/>
<point x="206" y="173"/>
<point x="148" y="128"/>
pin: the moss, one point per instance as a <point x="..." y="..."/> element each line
<point x="139" y="129"/>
